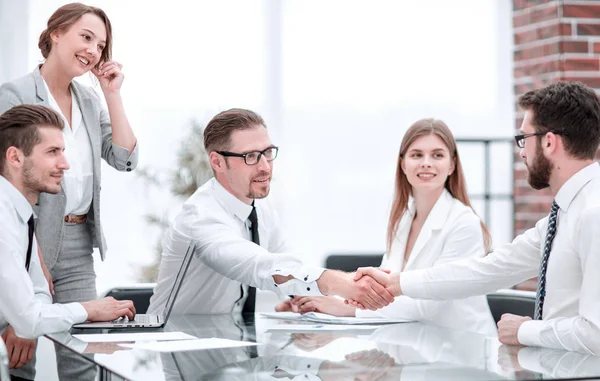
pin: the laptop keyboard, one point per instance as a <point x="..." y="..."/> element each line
<point x="141" y="319"/>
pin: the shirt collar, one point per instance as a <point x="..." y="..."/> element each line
<point x="22" y="206"/>
<point x="231" y="203"/>
<point x="572" y="186"/>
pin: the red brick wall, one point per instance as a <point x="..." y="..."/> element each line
<point x="554" y="40"/>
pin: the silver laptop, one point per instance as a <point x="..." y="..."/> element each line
<point x="145" y="320"/>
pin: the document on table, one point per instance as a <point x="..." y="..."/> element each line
<point x="318" y="317"/>
<point x="188" y="345"/>
<point x="322" y="327"/>
<point x="132" y="337"/>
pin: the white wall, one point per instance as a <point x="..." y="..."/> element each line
<point x="356" y="75"/>
<point x="338" y="83"/>
<point x="14" y="38"/>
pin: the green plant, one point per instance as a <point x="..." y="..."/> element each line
<point x="192" y="170"/>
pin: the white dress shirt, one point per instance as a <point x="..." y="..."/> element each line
<point x="452" y="231"/>
<point x="78" y="181"/>
<point x="218" y="222"/>
<point x="571" y="315"/>
<point x="25" y="301"/>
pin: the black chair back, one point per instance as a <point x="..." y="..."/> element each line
<point x="513" y="302"/>
<point x="350" y="262"/>
<point x="139" y="296"/>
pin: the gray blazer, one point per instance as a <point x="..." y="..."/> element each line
<point x="50" y="208"/>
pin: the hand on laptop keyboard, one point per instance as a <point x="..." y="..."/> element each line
<point x="107" y="309"/>
<point x="122" y="319"/>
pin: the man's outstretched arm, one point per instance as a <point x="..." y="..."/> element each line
<point x="372" y="295"/>
<point x="239" y="259"/>
<point x="506" y="266"/>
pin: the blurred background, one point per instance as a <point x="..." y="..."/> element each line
<point x="338" y="83"/>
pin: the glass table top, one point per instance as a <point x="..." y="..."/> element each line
<point x="407" y="351"/>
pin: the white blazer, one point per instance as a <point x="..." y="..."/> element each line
<point x="451" y="232"/>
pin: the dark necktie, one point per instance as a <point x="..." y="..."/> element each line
<point x="541" y="287"/>
<point x="250" y="304"/>
<point x="30" y="245"/>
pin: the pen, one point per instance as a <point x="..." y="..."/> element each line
<point x="291" y="340"/>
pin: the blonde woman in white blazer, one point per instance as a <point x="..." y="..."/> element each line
<point x="431" y="223"/>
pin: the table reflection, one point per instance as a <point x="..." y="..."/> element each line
<point x="190" y="365"/>
<point x="409" y="351"/>
<point x="550" y="363"/>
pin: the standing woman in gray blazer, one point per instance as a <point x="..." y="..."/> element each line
<point x="77" y="40"/>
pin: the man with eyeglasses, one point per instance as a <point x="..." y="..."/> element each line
<point x="559" y="138"/>
<point x="241" y="245"/>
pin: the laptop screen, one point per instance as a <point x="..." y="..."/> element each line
<point x="185" y="264"/>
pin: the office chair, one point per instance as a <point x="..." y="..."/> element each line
<point x="350" y="262"/>
<point x="140" y="295"/>
<point x="4" y="373"/>
<point x="511" y="301"/>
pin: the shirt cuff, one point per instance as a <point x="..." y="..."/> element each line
<point x="78" y="313"/>
<point x="304" y="282"/>
<point x="127" y="159"/>
<point x="411" y="284"/>
<point x="530" y="332"/>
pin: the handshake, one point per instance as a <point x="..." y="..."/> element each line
<point x="368" y="288"/>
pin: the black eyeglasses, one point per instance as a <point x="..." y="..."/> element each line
<point x="253" y="157"/>
<point x="520" y="139"/>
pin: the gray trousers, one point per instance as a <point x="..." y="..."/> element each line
<point x="74" y="281"/>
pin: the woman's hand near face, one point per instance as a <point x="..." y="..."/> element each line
<point x="325" y="304"/>
<point x="110" y="76"/>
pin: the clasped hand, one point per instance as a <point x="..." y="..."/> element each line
<point x="390" y="283"/>
<point x="369" y="288"/>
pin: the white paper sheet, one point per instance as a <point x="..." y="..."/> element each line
<point x="318" y="317"/>
<point x="283" y="315"/>
<point x="132" y="337"/>
<point x="188" y="345"/>
<point x="322" y="327"/>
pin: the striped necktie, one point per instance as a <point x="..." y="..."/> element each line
<point x="541" y="287"/>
